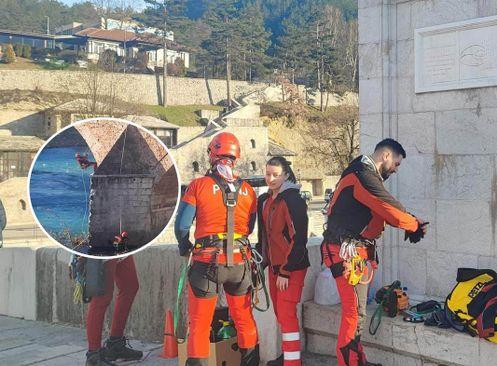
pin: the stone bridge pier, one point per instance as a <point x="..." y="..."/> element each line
<point x="135" y="185"/>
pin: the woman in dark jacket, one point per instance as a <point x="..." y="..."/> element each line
<point x="282" y="222"/>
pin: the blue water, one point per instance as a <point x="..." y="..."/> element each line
<point x="60" y="192"/>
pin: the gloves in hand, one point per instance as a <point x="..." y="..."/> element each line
<point x="185" y="247"/>
<point x="417" y="235"/>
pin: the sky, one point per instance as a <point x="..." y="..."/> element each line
<point x="139" y="3"/>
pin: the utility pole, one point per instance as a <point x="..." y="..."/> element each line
<point x="164" y="60"/>
<point x="124" y="58"/>
<point x="228" y="74"/>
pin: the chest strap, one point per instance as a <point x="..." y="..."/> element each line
<point x="230" y="198"/>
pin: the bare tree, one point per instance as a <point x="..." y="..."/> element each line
<point x="351" y="51"/>
<point x="103" y="8"/>
<point x="101" y="89"/>
<point x="334" y="137"/>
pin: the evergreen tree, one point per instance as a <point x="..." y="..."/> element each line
<point x="255" y="41"/>
<point x="225" y="40"/>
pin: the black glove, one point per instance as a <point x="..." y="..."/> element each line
<point x="417" y="235"/>
<point x="185" y="247"/>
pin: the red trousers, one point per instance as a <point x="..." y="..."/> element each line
<point x="202" y="299"/>
<point x="123" y="273"/>
<point x="285" y="309"/>
<point x="353" y="300"/>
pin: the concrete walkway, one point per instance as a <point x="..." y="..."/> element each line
<point x="25" y="342"/>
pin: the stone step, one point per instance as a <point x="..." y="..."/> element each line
<point x="398" y="342"/>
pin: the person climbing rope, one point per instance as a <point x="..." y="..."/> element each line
<point x="122" y="272"/>
<point x="282" y="234"/>
<point x="83" y="161"/>
<point x="224" y="208"/>
<point x="358" y="212"/>
<point x="120" y="242"/>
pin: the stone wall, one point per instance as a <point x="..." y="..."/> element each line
<point x="38" y="287"/>
<point x="135" y="88"/>
<point x="122" y="203"/>
<point x="15" y="202"/>
<point x="449" y="176"/>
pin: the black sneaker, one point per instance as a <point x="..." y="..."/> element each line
<point x="95" y="358"/>
<point x="372" y="364"/>
<point x="277" y="362"/>
<point x="120" y="349"/>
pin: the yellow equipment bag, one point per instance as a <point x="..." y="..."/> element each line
<point x="473" y="302"/>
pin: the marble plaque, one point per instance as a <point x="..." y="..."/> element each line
<point x="456" y="56"/>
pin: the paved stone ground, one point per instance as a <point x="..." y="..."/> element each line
<point x="24" y="342"/>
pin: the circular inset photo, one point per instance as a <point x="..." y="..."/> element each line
<point x="103" y="187"/>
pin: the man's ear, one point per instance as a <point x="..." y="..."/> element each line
<point x="386" y="154"/>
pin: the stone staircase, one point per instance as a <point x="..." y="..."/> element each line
<point x="397" y="343"/>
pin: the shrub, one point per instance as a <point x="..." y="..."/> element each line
<point x="26" y="51"/>
<point x="18" y="49"/>
<point x="10" y="56"/>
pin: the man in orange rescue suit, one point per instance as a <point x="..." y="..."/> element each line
<point x="225" y="211"/>
<point x="358" y="212"/>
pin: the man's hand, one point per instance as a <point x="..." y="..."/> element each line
<point x="281" y="283"/>
<point x="423" y="224"/>
<point x="419" y="234"/>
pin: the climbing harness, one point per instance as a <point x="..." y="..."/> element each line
<point x="230" y="198"/>
<point x="348" y="250"/>
<point x="359" y="268"/>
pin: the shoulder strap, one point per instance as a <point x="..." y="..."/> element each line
<point x="230" y="198"/>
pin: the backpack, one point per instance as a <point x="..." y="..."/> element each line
<point x="473" y="302"/>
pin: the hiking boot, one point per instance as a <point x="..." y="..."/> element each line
<point x="372" y="364"/>
<point x="120" y="349"/>
<point x="95" y="358"/>
<point x="276" y="362"/>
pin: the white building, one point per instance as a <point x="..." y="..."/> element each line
<point x="95" y="41"/>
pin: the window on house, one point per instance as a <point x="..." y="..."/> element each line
<point x="252" y="142"/>
<point x="253" y="166"/>
<point x="196" y="167"/>
<point x="22" y="205"/>
<point x="166" y="136"/>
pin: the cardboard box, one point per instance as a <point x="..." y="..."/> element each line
<point x="222" y="353"/>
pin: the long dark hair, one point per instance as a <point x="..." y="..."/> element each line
<point x="285" y="166"/>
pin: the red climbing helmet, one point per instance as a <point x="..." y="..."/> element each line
<point x="222" y="145"/>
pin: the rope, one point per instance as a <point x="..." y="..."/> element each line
<point x="86" y="201"/>
<point x="181" y="285"/>
<point x="120" y="170"/>
<point x="378" y="313"/>
<point x="260" y="281"/>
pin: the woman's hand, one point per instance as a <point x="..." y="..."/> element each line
<point x="281" y="283"/>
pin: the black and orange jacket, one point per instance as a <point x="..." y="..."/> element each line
<point x="282" y="230"/>
<point x="361" y="206"/>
